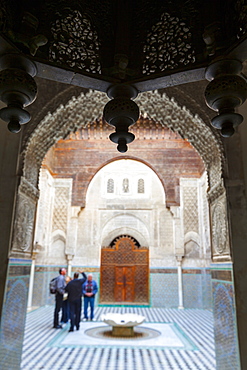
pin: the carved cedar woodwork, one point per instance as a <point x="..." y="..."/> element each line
<point x="124" y="290"/>
<point x="126" y="40"/>
<point x="159" y="108"/>
<point x="81" y="49"/>
<point x="124" y="272"/>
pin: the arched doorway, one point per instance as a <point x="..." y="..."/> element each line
<point x="158" y="108"/>
<point x="124" y="272"/>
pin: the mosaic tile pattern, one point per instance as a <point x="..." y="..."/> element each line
<point x="13" y="316"/>
<point x="207" y="302"/>
<point x="164" y="290"/>
<point x="40" y="288"/>
<point x="196" y="289"/>
<point x="38" y="353"/>
<point x="192" y="288"/>
<point x="225" y="325"/>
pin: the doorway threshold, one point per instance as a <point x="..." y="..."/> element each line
<point x="123" y="304"/>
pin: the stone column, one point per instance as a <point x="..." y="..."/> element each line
<point x="177" y="231"/>
<point x="180" y="282"/>
<point x="236" y="190"/>
<point x="223" y="284"/>
<point x="15" y="303"/>
<point x="71" y="241"/>
<point x="179" y="249"/>
<point x="69" y="267"/>
<point x="9" y="149"/>
<point x="31" y="280"/>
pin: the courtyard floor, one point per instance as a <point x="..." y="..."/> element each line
<point x="168" y="339"/>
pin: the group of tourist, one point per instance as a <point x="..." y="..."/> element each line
<point x="69" y="298"/>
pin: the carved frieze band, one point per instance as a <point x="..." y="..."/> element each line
<point x="160" y="108"/>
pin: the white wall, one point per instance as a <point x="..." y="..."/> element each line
<point x="63" y="230"/>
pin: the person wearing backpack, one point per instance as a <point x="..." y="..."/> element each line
<point x="60" y="289"/>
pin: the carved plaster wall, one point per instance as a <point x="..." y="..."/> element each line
<point x="126" y="223"/>
<point x="60" y="207"/>
<point x="43" y="228"/>
<point x="192" y="245"/>
<point x="110" y="236"/>
<point x="195" y="218"/>
<point x="123" y="211"/>
<point x="27" y="198"/>
<point x="190" y="209"/>
<point x="219" y="224"/>
<point x="54" y="216"/>
<point x="72" y="231"/>
<point x="220" y="232"/>
<point x="81" y="232"/>
<point x="204" y="217"/>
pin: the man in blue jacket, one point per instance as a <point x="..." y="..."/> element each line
<point x="74" y="290"/>
<point x="89" y="289"/>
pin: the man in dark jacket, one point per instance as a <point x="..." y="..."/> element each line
<point x="59" y="297"/>
<point x="74" y="290"/>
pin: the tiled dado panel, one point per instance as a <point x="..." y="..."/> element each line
<point x="163" y="286"/>
<point x="42" y="277"/>
<point x="14" y="314"/>
<point x="196" y="288"/>
<point x="226" y="344"/>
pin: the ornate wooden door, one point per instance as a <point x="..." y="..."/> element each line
<point x="124" y="272"/>
<point x="124" y="284"/>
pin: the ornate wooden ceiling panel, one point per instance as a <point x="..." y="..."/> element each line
<point x="123" y="40"/>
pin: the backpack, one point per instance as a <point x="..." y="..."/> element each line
<point x="53" y="285"/>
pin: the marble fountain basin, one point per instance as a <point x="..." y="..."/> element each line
<point x="122" y="324"/>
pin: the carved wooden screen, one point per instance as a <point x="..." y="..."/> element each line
<point x="124" y="272"/>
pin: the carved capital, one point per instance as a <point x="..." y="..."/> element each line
<point x="179" y="258"/>
<point x="175" y="212"/>
<point x="29" y="189"/>
<point x="34" y="254"/>
<point x="69" y="256"/>
<point x="216" y="191"/>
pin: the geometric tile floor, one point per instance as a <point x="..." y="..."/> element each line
<point x="185" y="340"/>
